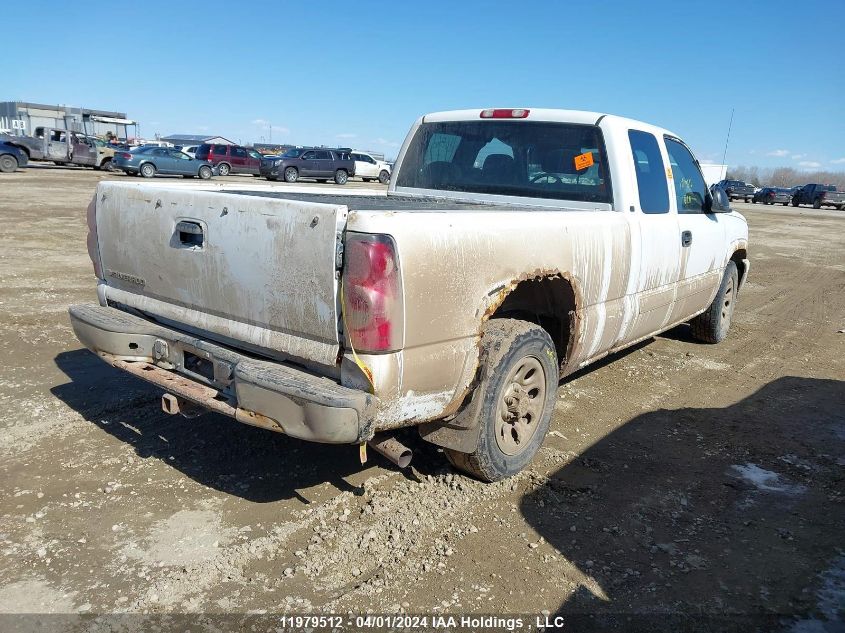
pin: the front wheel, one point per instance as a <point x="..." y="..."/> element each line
<point x="8" y="163"/>
<point x="107" y="166"/>
<point x="291" y="174"/>
<point x="517" y="387"/>
<point x="817" y="203"/>
<point x="794" y="202"/>
<point x="204" y="172"/>
<point x="223" y="169"/>
<point x="384" y="177"/>
<point x="148" y="170"/>
<point x="712" y="325"/>
<point x="340" y="177"/>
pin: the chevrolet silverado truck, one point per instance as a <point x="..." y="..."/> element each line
<point x="513" y="247"/>
<point x="819" y="196"/>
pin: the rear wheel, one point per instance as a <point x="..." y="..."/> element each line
<point x="224" y="169"/>
<point x="817" y="203"/>
<point x="712" y="325"/>
<point x="106" y="164"/>
<point x="205" y="172"/>
<point x="384" y="177"/>
<point x="795" y="202"/>
<point x="148" y="170"/>
<point x="340" y="177"/>
<point x="291" y="174"/>
<point x="8" y="163"/>
<point x="517" y="387"/>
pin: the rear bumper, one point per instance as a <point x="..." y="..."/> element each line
<point x="272" y="395"/>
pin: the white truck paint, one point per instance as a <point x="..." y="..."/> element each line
<point x="343" y="316"/>
<point x="369" y="168"/>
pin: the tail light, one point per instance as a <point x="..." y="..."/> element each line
<point x="505" y="113"/>
<point x="91" y="241"/>
<point x="125" y="155"/>
<point x="372" y="293"/>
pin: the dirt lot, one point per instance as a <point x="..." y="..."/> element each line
<point x="681" y="483"/>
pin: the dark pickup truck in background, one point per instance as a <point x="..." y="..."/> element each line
<point x="738" y="190"/>
<point x="819" y="196"/>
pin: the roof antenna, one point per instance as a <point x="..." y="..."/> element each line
<point x="728" y="138"/>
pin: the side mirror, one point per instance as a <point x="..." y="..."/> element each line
<point x="717" y="201"/>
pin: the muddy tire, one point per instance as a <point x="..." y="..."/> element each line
<point x="223" y="169"/>
<point x="517" y="384"/>
<point x="383" y="177"/>
<point x="291" y="174"/>
<point x="107" y="165"/>
<point x="712" y="325"/>
<point x="817" y="203"/>
<point x="340" y="177"/>
<point x="8" y="163"/>
<point x="148" y="170"/>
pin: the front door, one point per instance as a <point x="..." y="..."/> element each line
<point x="253" y="161"/>
<point x="659" y="251"/>
<point x="702" y="235"/>
<point x="83" y="151"/>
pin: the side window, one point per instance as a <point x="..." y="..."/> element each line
<point x="322" y="155"/>
<point x="690" y="187"/>
<point x="651" y="172"/>
<point x="220" y="150"/>
<point x="309" y="155"/>
<point x="240" y="152"/>
<point x="254" y="154"/>
<point x="358" y="157"/>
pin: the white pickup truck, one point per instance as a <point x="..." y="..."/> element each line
<point x="513" y="247"/>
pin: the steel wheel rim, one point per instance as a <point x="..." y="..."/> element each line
<point x="146" y="169"/>
<point x="520" y="406"/>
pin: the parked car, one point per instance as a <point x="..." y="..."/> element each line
<point x="149" y="161"/>
<point x="11" y="157"/>
<point x="455" y="303"/>
<point x="369" y="169"/>
<point x="819" y="196"/>
<point x="773" y="195"/>
<point x="190" y="150"/>
<point x="738" y="190"/>
<point x="320" y="163"/>
<point x="231" y="159"/>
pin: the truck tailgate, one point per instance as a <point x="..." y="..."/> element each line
<point x="256" y="273"/>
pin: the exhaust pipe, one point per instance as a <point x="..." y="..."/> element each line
<point x="392" y="449"/>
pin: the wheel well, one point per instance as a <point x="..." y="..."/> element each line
<point x="739" y="255"/>
<point x="551" y="303"/>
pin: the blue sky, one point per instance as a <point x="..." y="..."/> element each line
<point x="358" y="74"/>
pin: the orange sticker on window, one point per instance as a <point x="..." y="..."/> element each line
<point x="582" y="161"/>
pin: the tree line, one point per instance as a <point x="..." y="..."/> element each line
<point x="785" y="176"/>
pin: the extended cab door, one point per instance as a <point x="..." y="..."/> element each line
<point x="659" y="242"/>
<point x="57" y="145"/>
<point x="702" y="235"/>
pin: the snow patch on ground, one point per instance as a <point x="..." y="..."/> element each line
<point x="766" y="480"/>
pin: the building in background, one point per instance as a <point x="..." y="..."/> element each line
<point x="20" y="118"/>
<point x="196" y="139"/>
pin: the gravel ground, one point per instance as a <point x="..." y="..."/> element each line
<point x="680" y="483"/>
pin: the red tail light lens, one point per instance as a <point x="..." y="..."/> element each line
<point x="126" y="155"/>
<point x="372" y="293"/>
<point x="505" y="113"/>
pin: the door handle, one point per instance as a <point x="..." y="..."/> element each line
<point x="686" y="238"/>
